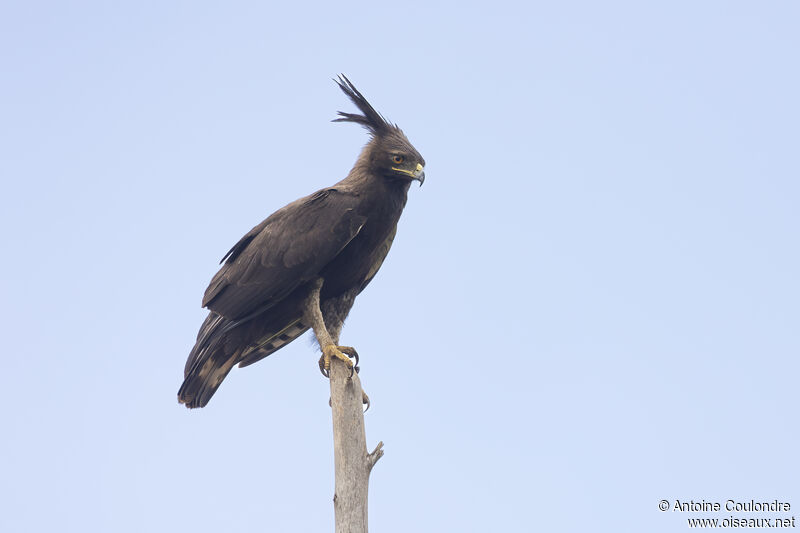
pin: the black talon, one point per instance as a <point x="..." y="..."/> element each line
<point x="351" y="352"/>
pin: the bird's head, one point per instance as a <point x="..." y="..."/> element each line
<point x="391" y="153"/>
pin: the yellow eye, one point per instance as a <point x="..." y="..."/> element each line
<point x="397" y="159"/>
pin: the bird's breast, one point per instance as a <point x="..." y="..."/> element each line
<point x="358" y="260"/>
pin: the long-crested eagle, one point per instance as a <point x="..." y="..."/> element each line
<point x="304" y="265"/>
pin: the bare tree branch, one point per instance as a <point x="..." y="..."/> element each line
<point x="353" y="463"/>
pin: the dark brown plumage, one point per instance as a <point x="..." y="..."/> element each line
<point x="304" y="265"/>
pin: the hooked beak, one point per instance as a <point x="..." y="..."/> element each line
<point x="418" y="174"/>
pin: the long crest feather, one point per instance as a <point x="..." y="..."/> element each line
<point x="371" y="119"/>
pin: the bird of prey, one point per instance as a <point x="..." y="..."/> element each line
<point x="304" y="265"/>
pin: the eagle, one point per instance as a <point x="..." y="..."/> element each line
<point x="303" y="266"/>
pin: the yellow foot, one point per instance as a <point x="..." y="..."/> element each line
<point x="330" y="351"/>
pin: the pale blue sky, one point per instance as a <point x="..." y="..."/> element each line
<point x="591" y="305"/>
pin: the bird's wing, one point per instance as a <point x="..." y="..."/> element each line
<point x="381" y="254"/>
<point x="287" y="249"/>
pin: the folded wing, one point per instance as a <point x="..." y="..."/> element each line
<point x="289" y="248"/>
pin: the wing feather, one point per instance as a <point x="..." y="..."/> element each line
<point x="287" y="249"/>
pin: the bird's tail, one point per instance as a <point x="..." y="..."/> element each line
<point x="208" y="363"/>
<point x="272" y="342"/>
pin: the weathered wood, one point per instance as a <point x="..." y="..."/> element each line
<point x="353" y="463"/>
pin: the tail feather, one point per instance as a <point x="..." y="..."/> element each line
<point x="208" y="363"/>
<point x="201" y="384"/>
<point x="222" y="343"/>
<point x="272" y="343"/>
